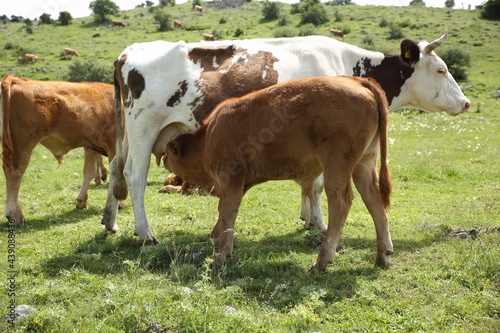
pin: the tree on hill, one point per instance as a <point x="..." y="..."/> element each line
<point x="312" y="11"/>
<point x="271" y="10"/>
<point x="45" y="18"/>
<point x="65" y="18"/>
<point x="165" y="3"/>
<point x="449" y="3"/>
<point x="417" y="3"/>
<point x="103" y="8"/>
<point x="163" y="18"/>
<point x="491" y="10"/>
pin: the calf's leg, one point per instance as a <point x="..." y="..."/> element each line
<point x="366" y="181"/>
<point x="311" y="204"/>
<point x="90" y="166"/>
<point x="339" y="194"/>
<point x="228" y="210"/>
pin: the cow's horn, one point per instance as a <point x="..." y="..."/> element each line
<point x="431" y="46"/>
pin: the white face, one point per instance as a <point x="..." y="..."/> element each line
<point x="433" y="88"/>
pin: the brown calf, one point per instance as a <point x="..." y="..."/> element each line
<point x="199" y="9"/>
<point x="294" y="130"/>
<point x="68" y="51"/>
<point x="116" y="23"/>
<point x="61" y="116"/>
<point x="208" y="37"/>
<point x="336" y="33"/>
<point x="177" y="24"/>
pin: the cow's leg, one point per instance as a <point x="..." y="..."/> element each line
<point x="136" y="173"/>
<point x="13" y="179"/>
<point x="111" y="209"/>
<point x="311" y="204"/>
<point x="339" y="193"/>
<point x="101" y="171"/>
<point x="89" y="171"/>
<point x="228" y="210"/>
<point x="366" y="181"/>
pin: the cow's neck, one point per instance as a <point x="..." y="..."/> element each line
<point x="391" y="74"/>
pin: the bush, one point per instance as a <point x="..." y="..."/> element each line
<point x="307" y="30"/>
<point x="45" y="18"/>
<point x="163" y="19"/>
<point x="383" y="23"/>
<point x="238" y="32"/>
<point x="313" y="11"/>
<point x="271" y="10"/>
<point x="283" y="21"/>
<point x="457" y="61"/>
<point x="395" y="32"/>
<point x="222" y="20"/>
<point x="284" y="32"/>
<point x="89" y="71"/>
<point x="65" y="18"/>
<point x="491" y="10"/>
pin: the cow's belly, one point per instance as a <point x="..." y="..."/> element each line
<point x="286" y="168"/>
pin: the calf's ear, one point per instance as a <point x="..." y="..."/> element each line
<point x="410" y="52"/>
<point x="174" y="148"/>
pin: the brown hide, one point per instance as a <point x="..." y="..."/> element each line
<point x="294" y="130"/>
<point x="61" y="116"/>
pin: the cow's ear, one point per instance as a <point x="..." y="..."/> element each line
<point x="174" y="148"/>
<point x="410" y="52"/>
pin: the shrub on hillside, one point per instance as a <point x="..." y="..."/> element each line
<point x="395" y="32"/>
<point x="313" y="11"/>
<point x="284" y="32"/>
<point x="271" y="10"/>
<point x="65" y="18"/>
<point x="164" y="19"/>
<point x="103" y="8"/>
<point x="89" y="71"/>
<point x="457" y="61"/>
<point x="491" y="10"/>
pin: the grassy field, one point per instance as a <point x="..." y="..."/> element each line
<point x="446" y="174"/>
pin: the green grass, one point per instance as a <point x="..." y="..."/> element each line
<point x="445" y="171"/>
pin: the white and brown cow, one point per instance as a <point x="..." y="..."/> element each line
<point x="199" y="9"/>
<point x="61" y="116"/>
<point x="311" y="127"/>
<point x="169" y="88"/>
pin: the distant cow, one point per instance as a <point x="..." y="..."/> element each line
<point x="336" y="33"/>
<point x="21" y="60"/>
<point x="71" y="52"/>
<point x="177" y="24"/>
<point x="116" y="23"/>
<point x="308" y="127"/>
<point x="61" y="116"/>
<point x="208" y="37"/>
<point x="30" y="58"/>
<point x="197" y="76"/>
<point x="199" y="9"/>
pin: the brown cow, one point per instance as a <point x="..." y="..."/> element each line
<point x="336" y="33"/>
<point x="30" y="58"/>
<point x="199" y="9"/>
<point x="116" y="23"/>
<point x="300" y="128"/>
<point x="208" y="37"/>
<point x="61" y="116"/>
<point x="71" y="52"/>
<point x="177" y="24"/>
<point x="21" y="60"/>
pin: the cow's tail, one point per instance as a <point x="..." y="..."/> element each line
<point x="385" y="180"/>
<point x="120" y="190"/>
<point x="7" y="147"/>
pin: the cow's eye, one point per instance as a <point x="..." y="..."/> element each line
<point x="441" y="71"/>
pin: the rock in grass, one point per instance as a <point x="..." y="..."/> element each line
<point x="19" y="311"/>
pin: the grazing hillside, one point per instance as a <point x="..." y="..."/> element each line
<point x="445" y="216"/>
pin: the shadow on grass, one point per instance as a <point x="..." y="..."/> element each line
<point x="272" y="268"/>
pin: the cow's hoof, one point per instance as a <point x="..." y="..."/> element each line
<point x="15" y="222"/>
<point x="80" y="204"/>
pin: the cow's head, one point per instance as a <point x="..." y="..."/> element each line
<point x="431" y="85"/>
